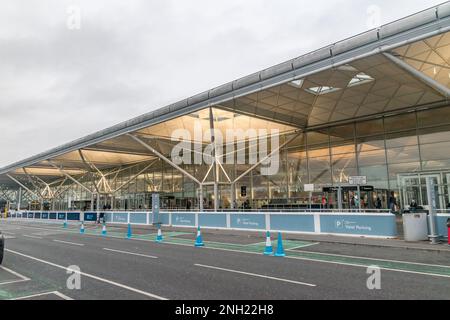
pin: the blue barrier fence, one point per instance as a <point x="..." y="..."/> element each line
<point x="349" y="224"/>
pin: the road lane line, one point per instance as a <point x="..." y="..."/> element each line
<point x="369" y="261"/>
<point x="61" y="295"/>
<point x="144" y="293"/>
<point x="56" y="293"/>
<point x="131" y="253"/>
<point x="71" y="243"/>
<point x="32" y="237"/>
<point x="304" y="246"/>
<point x="18" y="275"/>
<point x="256" y="275"/>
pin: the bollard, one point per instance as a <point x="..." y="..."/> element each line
<point x="280" y="250"/>
<point x="82" y="228"/>
<point x="129" y="233"/>
<point x="159" y="236"/>
<point x="269" y="249"/>
<point x="199" y="239"/>
<point x="104" y="229"/>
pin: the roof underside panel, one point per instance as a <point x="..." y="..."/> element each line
<point x="348" y="80"/>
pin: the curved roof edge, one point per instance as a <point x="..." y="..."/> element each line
<point x="421" y="25"/>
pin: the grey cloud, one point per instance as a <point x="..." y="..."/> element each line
<point x="134" y="56"/>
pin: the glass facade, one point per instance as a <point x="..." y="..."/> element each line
<point x="396" y="153"/>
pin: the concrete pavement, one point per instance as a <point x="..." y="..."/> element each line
<point x="229" y="267"/>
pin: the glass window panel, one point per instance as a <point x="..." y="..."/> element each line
<point x="322" y="152"/>
<point x="370" y="143"/>
<point x="320" y="176"/>
<point x="376" y="175"/>
<point x="349" y="148"/>
<point x="407" y="167"/>
<point x="435" y="164"/>
<point x="401" y="139"/>
<point x="319" y="163"/>
<point x="436" y="134"/>
<point x="315" y="138"/>
<point x="375" y="157"/>
<point x="341" y="174"/>
<point x="344" y="160"/>
<point x="402" y="155"/>
<point x="342" y="133"/>
<point x="434" y="117"/>
<point x="400" y="122"/>
<point x="435" y="151"/>
<point x="369" y="128"/>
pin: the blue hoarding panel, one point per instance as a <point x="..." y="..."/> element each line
<point x="37" y="215"/>
<point x="90" y="216"/>
<point x="73" y="216"/>
<point x="120" y="217"/>
<point x="248" y="221"/>
<point x="30" y="215"/>
<point x="384" y="226"/>
<point x="61" y="216"/>
<point x="183" y="219"/>
<point x="53" y="215"/>
<point x="44" y="215"/>
<point x="441" y="221"/>
<point x="164" y="218"/>
<point x="286" y="222"/>
<point x="138" y="218"/>
<point x="216" y="220"/>
<point x="108" y="216"/>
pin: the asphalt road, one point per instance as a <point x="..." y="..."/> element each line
<point x="37" y="257"/>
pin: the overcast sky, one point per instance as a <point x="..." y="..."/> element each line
<point x="70" y="68"/>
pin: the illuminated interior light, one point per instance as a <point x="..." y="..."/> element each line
<point x="297" y="83"/>
<point x="322" y="90"/>
<point x="360" y="78"/>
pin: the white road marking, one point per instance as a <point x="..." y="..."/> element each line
<point x="151" y="295"/>
<point x="131" y="253"/>
<point x="257" y="275"/>
<point x="18" y="275"/>
<point x="304" y="246"/>
<point x="311" y="259"/>
<point x="9" y="233"/>
<point x="366" y="258"/>
<point x="71" y="243"/>
<point x="56" y="293"/>
<point x="32" y="237"/>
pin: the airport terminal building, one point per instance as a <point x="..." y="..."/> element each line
<point x="374" y="105"/>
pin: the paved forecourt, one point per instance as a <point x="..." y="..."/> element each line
<point x="113" y="267"/>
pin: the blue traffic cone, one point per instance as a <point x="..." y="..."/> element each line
<point x="129" y="233"/>
<point x="159" y="237"/>
<point x="199" y="239"/>
<point x="280" y="250"/>
<point x="269" y="249"/>
<point x="82" y="228"/>
<point x="104" y="230"/>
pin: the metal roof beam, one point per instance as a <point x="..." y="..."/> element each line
<point x="430" y="82"/>
<point x="160" y="155"/>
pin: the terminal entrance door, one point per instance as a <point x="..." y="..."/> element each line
<point x="414" y="187"/>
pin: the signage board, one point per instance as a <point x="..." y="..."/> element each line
<point x="357" y="180"/>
